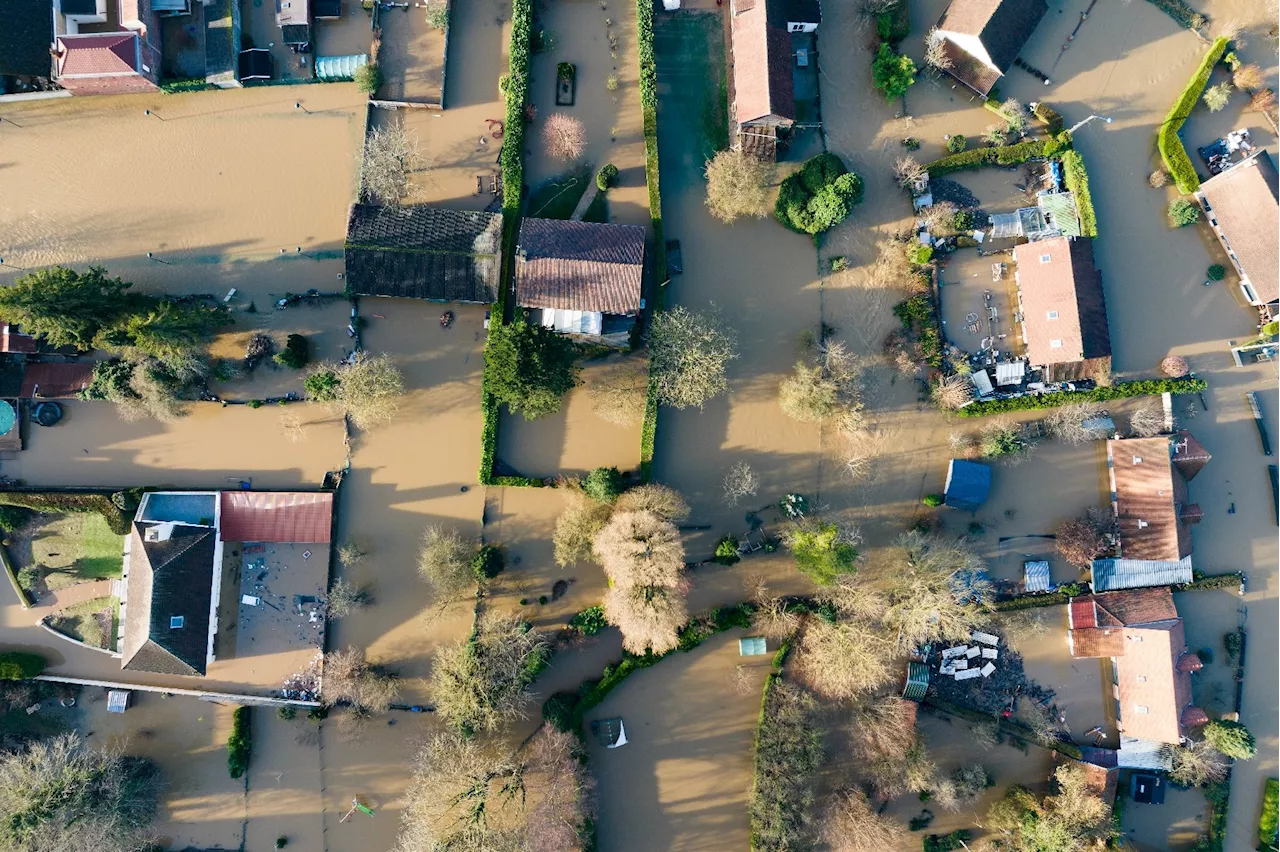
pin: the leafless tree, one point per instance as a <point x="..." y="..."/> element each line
<point x="742" y="681"/>
<point x="1248" y="78"/>
<point x="688" y="353"/>
<point x="1081" y="540"/>
<point x="648" y="616"/>
<point x="351" y="551"/>
<point x="349" y="678"/>
<point x="564" y="793"/>
<point x="851" y="824"/>
<point x="935" y="52"/>
<point x="772" y="617"/>
<point x="292" y="427"/>
<point x="345" y="598"/>
<point x="577" y="525"/>
<point x="391" y="155"/>
<point x="661" y="500"/>
<point x="826" y="391"/>
<point x="369" y="389"/>
<point x="1147" y="421"/>
<point x="444" y="562"/>
<point x="908" y="172"/>
<point x="1263" y="101"/>
<point x="480" y="684"/>
<point x="939" y="218"/>
<point x="619" y="394"/>
<point x="1015" y="114"/>
<point x="1067" y="423"/>
<point x="739" y="186"/>
<point x="1175" y="366"/>
<point x="643" y="557"/>
<point x="1196" y="764"/>
<point x="1158" y="178"/>
<point x="1025" y="626"/>
<point x="843" y="660"/>
<point x="951" y="393"/>
<point x="935" y="590"/>
<point x="886" y="747"/>
<point x="563" y="137"/>
<point x="739" y="483"/>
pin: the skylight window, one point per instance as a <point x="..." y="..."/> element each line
<point x="1055" y="344"/>
<point x="1045" y="258"/>
<point x="1141" y="708"/>
<point x="1053" y="315"/>
<point x="176" y="621"/>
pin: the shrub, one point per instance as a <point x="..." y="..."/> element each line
<point x="322" y="386"/>
<point x="604" y="484"/>
<point x="957" y="143"/>
<point x="822" y="551"/>
<point x="1171" y="149"/>
<point x="977" y="158"/>
<point x="296" y="353"/>
<point x="1077" y="180"/>
<point x="240" y="742"/>
<point x="564" y="137"/>
<point x="1175" y="366"/>
<point x="13" y="517"/>
<point x="1158" y="178"/>
<point x="1049" y="117"/>
<point x="1231" y="738"/>
<point x="1216" y="272"/>
<point x="1216" y="97"/>
<point x="933" y="501"/>
<point x="1269" y="823"/>
<point x="1120" y="390"/>
<point x="590" y="621"/>
<point x="487" y="563"/>
<point x="287" y="713"/>
<point x="557" y="711"/>
<point x="606" y="176"/>
<point x="727" y="550"/>
<point x="116" y="509"/>
<point x="15" y="665"/>
<point x="368" y="78"/>
<point x="920" y="254"/>
<point x="1183" y="213"/>
<point x="819" y="196"/>
<point x="892" y="73"/>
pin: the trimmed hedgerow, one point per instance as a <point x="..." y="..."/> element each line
<point x="240" y="742"/>
<point x="1077" y="179"/>
<point x="1180" y="12"/>
<point x="977" y="158"/>
<point x="649" y="113"/>
<point x="1213" y="581"/>
<point x="116" y="508"/>
<point x="1060" y="595"/>
<point x="1121" y="390"/>
<point x="1049" y="117"/>
<point x="18" y="666"/>
<point x="1171" y="149"/>
<point x="1269" y="822"/>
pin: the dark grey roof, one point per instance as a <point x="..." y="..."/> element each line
<point x="26" y="34"/>
<point x="221" y="38"/>
<point x="804" y="11"/>
<point x="1003" y="26"/>
<point x="968" y="484"/>
<point x="79" y="7"/>
<point x="579" y="266"/>
<point x="295" y="33"/>
<point x="166" y="579"/>
<point x="424" y="253"/>
<point x="1091" y="300"/>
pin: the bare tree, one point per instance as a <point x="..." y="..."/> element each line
<point x="688" y="353"/>
<point x="480" y="684"/>
<point x="772" y="618"/>
<point x="292" y="427"/>
<point x="739" y="483"/>
<point x="1248" y="78"/>
<point x="643" y="557"/>
<point x="351" y="551"/>
<point x="1024" y="626"/>
<point x="648" y="616"/>
<point x="349" y="678"/>
<point x="1175" y="366"/>
<point x="577" y="525"/>
<point x="619" y="395"/>
<point x="1196" y="764"/>
<point x="935" y="52"/>
<point x="829" y="390"/>
<point x="908" y="172"/>
<point x="1081" y="540"/>
<point x="1067" y="423"/>
<point x="563" y="137"/>
<point x="939" y="218"/>
<point x="391" y="155"/>
<point x="1263" y="101"/>
<point x="1147" y="421"/>
<point x="739" y="185"/>
<point x="935" y="590"/>
<point x="345" y="598"/>
<point x="661" y="500"/>
<point x="369" y="389"/>
<point x="952" y="393"/>
<point x="1158" y="178"/>
<point x="885" y="743"/>
<point x="843" y="660"/>
<point x="851" y="824"/>
<point x="444" y="562"/>
<point x="1015" y="114"/>
<point x="564" y="793"/>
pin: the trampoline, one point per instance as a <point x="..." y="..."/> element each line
<point x="8" y="418"/>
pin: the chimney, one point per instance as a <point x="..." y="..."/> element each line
<point x="1191" y="514"/>
<point x="1188" y="663"/>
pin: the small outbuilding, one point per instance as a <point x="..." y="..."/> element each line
<point x="968" y="484"/>
<point x="1035" y="577"/>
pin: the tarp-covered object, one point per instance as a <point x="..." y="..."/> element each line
<point x="968" y="484"/>
<point x="333" y="68"/>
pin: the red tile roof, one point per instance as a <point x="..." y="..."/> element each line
<point x="56" y="381"/>
<point x="301" y="517"/>
<point x="1063" y="307"/>
<point x="579" y="266"/>
<point x="1098" y="622"/>
<point x="1150" y="491"/>
<point x="12" y="340"/>
<point x="97" y="55"/>
<point x="762" y="81"/>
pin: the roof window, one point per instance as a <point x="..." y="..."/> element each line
<point x="1052" y="315"/>
<point x="1055" y="344"/>
<point x="1140" y="708"/>
<point x="176" y="621"/>
<point x="1045" y="258"/>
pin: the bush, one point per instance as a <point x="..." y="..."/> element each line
<point x="557" y="711"/>
<point x="487" y="563"/>
<point x="977" y="158"/>
<point x="1171" y="149"/>
<point x="963" y="221"/>
<point x="606" y="176"/>
<point x="727" y="550"/>
<point x="368" y="78"/>
<point x="15" y="665"/>
<point x="891" y="73"/>
<point x="1182" y="13"/>
<point x="894" y="23"/>
<point x="920" y="254"/>
<point x="1231" y="738"/>
<point x="287" y="713"/>
<point x="604" y="484"/>
<point x="1049" y="117"/>
<point x="1077" y="180"/>
<point x="240" y="742"/>
<point x="590" y="621"/>
<point x="1216" y="272"/>
<point x="1120" y="390"/>
<point x="947" y="842"/>
<point x="13" y="517"/>
<point x="933" y="501"/>
<point x="296" y="353"/>
<point x="819" y="196"/>
<point x="321" y="386"/>
<point x="822" y="553"/>
<point x="1269" y="823"/>
<point x="115" y="508"/>
<point x="1234" y="643"/>
<point x="1183" y="213"/>
<point x="957" y="143"/>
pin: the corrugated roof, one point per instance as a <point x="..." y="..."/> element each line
<point x="301" y="517"/>
<point x="1244" y="201"/>
<point x="423" y="252"/>
<point x="98" y="54"/>
<point x="580" y="266"/>
<point x="1064" y="309"/>
<point x="1114" y="574"/>
<point x="1036" y="577"/>
<point x="56" y="380"/>
<point x="762" y="81"/>
<point x="25" y="38"/>
<point x="167" y="579"/>
<point x="1150" y="493"/>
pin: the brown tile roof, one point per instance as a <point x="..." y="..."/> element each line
<point x="1153" y="693"/>
<point x="56" y="380"/>
<point x="1189" y="454"/>
<point x="1097" y="622"/>
<point x="1057" y="278"/>
<point x="166" y="579"/>
<point x="1003" y="26"/>
<point x="301" y="517"/>
<point x="975" y="74"/>
<point x="1244" y="202"/>
<point x="12" y="340"/>
<point x="1150" y="492"/>
<point x="579" y="266"/>
<point x="762" y="81"/>
<point x="97" y="55"/>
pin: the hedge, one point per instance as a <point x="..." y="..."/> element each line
<point x="1171" y="149"/>
<point x="649" y="111"/>
<point x="18" y="666"/>
<point x="894" y="24"/>
<point x="1269" y="822"/>
<point x="240" y="742"/>
<point x="1218" y="795"/>
<point x="192" y="84"/>
<point x="1050" y="117"/>
<point x="1213" y="581"/>
<point x="1008" y="726"/>
<point x="1060" y="595"/>
<point x="1179" y="11"/>
<point x="118" y="517"/>
<point x="1077" y="180"/>
<point x="1121" y="390"/>
<point x="977" y="158"/>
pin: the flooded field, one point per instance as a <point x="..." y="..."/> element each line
<point x="412" y="56"/>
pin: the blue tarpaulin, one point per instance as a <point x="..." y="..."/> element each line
<point x="968" y="484"/>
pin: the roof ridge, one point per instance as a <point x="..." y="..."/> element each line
<point x="192" y="542"/>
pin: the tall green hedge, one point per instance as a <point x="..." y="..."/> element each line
<point x="1171" y="149"/>
<point x="239" y="743"/>
<point x="103" y="503"/>
<point x="658" y="297"/>
<point x="1077" y="180"/>
<point x="19" y="666"/>
<point x="1121" y="390"/>
<point x="977" y="158"/>
<point x="1270" y="819"/>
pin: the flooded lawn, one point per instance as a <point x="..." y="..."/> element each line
<point x="973" y="286"/>
<point x="1174" y="826"/>
<point x="412" y="56"/>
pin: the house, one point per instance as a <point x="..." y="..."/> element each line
<point x="1149" y="479"/>
<point x="174" y="570"/>
<point x="293" y="17"/>
<point x="1143" y="636"/>
<point x="26" y="34"/>
<point x="968" y="484"/>
<point x="581" y="278"/>
<point x="1242" y="208"/>
<point x="423" y="252"/>
<point x="982" y="38"/>
<point x="763" y="90"/>
<point x="1063" y="309"/>
<point x="109" y="47"/>
<point x="803" y="16"/>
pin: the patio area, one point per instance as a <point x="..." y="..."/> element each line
<point x="978" y="300"/>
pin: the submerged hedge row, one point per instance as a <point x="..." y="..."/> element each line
<point x="1121" y="390"/>
<point x="977" y="158"/>
<point x="1077" y="180"/>
<point x="658" y="297"/>
<point x="1171" y="149"/>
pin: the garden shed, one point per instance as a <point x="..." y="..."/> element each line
<point x="968" y="484"/>
<point x="752" y="646"/>
<point x="1035" y="577"/>
<point x="917" y="682"/>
